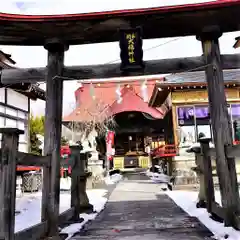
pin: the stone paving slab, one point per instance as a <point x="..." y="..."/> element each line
<point x="138" y="210"/>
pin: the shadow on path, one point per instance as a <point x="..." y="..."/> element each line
<point x="137" y="210"/>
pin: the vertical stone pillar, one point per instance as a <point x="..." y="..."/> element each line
<point x="52" y="134"/>
<point x="200" y="174"/>
<point x="84" y="174"/>
<point x="199" y="169"/>
<point x="222" y="131"/>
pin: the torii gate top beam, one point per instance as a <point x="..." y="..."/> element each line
<point x="160" y="22"/>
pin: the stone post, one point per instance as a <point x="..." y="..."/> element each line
<point x="199" y="169"/>
<point x="79" y="198"/>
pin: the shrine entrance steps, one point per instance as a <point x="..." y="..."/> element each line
<point x="138" y="210"/>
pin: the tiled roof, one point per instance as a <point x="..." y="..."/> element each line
<point x="105" y="96"/>
<point x="199" y="77"/>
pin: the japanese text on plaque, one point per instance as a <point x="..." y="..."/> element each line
<point x="131" y="38"/>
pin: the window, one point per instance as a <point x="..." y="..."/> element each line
<point x="187" y="136"/>
<point x="235" y="110"/>
<point x="202" y="113"/>
<point x="205" y="129"/>
<point x="185" y="116"/>
<point x="186" y="122"/>
<point x="203" y="120"/>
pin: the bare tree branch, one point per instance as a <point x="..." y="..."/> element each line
<point x="99" y="119"/>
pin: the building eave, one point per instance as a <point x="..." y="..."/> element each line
<point x="30" y="90"/>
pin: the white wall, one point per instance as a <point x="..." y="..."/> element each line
<point x="19" y="101"/>
<point x="2" y="94"/>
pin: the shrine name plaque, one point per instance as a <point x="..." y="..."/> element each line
<point x="131" y="49"/>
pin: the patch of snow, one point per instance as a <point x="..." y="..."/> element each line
<point x="29" y="208"/>
<point x="187" y="201"/>
<point x="65" y="183"/>
<point x="115" y="178"/>
<point x="158" y="177"/>
<point x="97" y="199"/>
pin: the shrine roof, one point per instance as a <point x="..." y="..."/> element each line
<point x="97" y="27"/>
<point x="30" y="90"/>
<point x="105" y="104"/>
<point x="189" y="81"/>
<point x="5" y="59"/>
<point x="187" y="78"/>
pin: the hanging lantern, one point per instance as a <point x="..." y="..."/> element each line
<point x="144" y="91"/>
<point x="119" y="94"/>
<point x="92" y="92"/>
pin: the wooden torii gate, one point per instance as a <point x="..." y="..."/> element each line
<point x="207" y="21"/>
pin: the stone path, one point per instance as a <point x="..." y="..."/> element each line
<point x="136" y="210"/>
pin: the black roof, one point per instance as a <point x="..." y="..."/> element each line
<point x="232" y="75"/>
<point x="32" y="91"/>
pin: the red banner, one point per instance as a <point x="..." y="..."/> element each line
<point x="110" y="143"/>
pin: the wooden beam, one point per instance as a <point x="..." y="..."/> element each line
<point x="220" y="123"/>
<point x="10" y="137"/>
<point x="218" y="210"/>
<point x="37" y="231"/>
<point x="86" y="28"/>
<point x="29" y="159"/>
<point x="66" y="215"/>
<point x="233" y="151"/>
<point x="26" y="75"/>
<point x="52" y="137"/>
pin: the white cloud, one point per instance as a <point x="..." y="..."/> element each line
<point x="107" y="52"/>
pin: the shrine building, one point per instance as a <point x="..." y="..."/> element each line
<point x="188" y="97"/>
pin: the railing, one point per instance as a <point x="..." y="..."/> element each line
<point x="236" y="142"/>
<point x="168" y="150"/>
<point x="204" y="158"/>
<point x="10" y="158"/>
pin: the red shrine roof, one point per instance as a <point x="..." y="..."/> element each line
<point x="105" y="102"/>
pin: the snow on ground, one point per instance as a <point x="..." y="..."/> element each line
<point x="97" y="202"/>
<point x="115" y="178"/>
<point x="187" y="201"/>
<point x="158" y="177"/>
<point x="28" y="205"/>
<point x="97" y="199"/>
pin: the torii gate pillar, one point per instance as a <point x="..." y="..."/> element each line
<point x="52" y="134"/>
<point x="221" y="124"/>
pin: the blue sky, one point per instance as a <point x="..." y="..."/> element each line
<point x="100" y="53"/>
